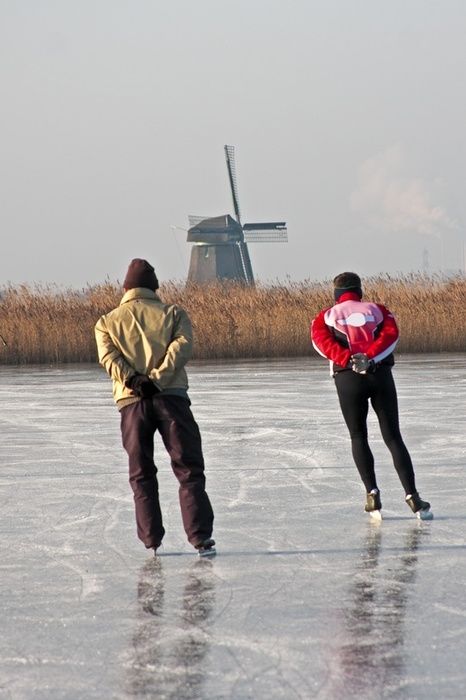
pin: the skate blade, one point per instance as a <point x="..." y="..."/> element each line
<point x="425" y="515"/>
<point x="207" y="552"/>
<point x="376" y="515"/>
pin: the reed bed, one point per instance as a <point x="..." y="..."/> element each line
<point x="46" y="324"/>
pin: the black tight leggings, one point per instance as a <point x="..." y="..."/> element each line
<point x="354" y="392"/>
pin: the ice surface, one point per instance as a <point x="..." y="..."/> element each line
<point x="307" y="598"/>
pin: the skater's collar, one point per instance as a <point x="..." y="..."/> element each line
<point x="349" y="296"/>
<point x="138" y="293"/>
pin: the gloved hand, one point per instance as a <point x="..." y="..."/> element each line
<point x="142" y="386"/>
<point x="360" y="363"/>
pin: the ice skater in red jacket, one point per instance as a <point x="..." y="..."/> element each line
<point x="358" y="338"/>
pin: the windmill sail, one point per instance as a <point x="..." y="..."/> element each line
<point x="273" y="232"/>
<point x="230" y="158"/>
<point x="194" y="220"/>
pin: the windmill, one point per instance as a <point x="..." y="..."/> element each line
<point x="220" y="250"/>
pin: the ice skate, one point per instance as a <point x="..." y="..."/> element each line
<point x="206" y="548"/>
<point x="374" y="504"/>
<point x="419" y="507"/>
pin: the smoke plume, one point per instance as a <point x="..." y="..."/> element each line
<point x="389" y="199"/>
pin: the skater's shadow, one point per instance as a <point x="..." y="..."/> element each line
<point x="372" y="658"/>
<point x="171" y="639"/>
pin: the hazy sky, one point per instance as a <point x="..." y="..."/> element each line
<point x="348" y="118"/>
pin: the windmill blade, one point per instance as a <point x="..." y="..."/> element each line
<point x="272" y="232"/>
<point x="231" y="167"/>
<point x="195" y="220"/>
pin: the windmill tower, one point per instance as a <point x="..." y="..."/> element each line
<point x="220" y="250"/>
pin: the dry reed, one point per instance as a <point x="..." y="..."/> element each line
<point x="49" y="325"/>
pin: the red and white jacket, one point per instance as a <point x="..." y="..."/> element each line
<point x="353" y="326"/>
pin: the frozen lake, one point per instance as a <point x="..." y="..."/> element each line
<point x="306" y="599"/>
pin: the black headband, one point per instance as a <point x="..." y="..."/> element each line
<point x="338" y="291"/>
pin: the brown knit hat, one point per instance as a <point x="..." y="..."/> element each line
<point x="140" y="274"/>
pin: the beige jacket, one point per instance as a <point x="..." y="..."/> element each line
<point x="147" y="336"/>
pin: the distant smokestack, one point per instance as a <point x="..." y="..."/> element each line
<point x="425" y="262"/>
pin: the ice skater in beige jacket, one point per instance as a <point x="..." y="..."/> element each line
<point x="144" y="346"/>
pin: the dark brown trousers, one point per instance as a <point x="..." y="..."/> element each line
<point x="172" y="417"/>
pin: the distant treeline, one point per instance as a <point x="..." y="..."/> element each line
<point x="46" y="324"/>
